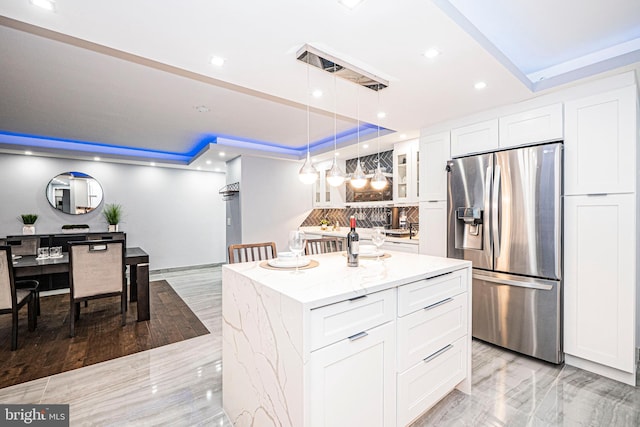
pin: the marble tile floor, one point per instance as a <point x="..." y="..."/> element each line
<point x="180" y="384"/>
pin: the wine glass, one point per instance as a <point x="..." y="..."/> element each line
<point x="378" y="238"/>
<point x="297" y="241"/>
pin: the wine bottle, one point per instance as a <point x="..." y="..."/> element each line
<point x="353" y="244"/>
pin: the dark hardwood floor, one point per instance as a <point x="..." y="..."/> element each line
<point x="99" y="337"/>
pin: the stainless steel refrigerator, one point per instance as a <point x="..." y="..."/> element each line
<point x="505" y="215"/>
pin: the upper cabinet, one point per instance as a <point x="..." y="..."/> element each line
<point x="474" y="138"/>
<point x="600" y="139"/>
<point x="406" y="172"/>
<point x="539" y="125"/>
<point x="324" y="195"/>
<point x="435" y="150"/>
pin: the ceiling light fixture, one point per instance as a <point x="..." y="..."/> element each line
<point x="350" y="4"/>
<point x="97" y="159"/>
<point x="431" y="53"/>
<point x="208" y="162"/>
<point x="221" y="154"/>
<point x="49" y="5"/>
<point x="317" y="93"/>
<point x="152" y="164"/>
<point x="308" y="174"/>
<point x="381" y="114"/>
<point x="378" y="181"/>
<point x="217" y="61"/>
<point x="365" y="146"/>
<point x="335" y="177"/>
<point x="358" y="178"/>
<point x="28" y="153"/>
<point x="480" y="85"/>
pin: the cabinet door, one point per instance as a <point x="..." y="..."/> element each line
<point x="406" y="175"/>
<point x="476" y="138"/>
<point x="435" y="151"/>
<point x="539" y="125"/>
<point x="600" y="143"/>
<point x="352" y="382"/>
<point x="599" y="297"/>
<point x="433" y="228"/>
<point x="400" y="247"/>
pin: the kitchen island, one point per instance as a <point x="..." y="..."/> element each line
<point x="376" y="345"/>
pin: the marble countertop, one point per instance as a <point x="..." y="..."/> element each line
<point x="332" y="281"/>
<point x="364" y="233"/>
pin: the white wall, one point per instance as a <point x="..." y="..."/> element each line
<point x="273" y="201"/>
<point x="176" y="215"/>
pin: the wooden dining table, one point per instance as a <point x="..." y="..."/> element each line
<point x="136" y="258"/>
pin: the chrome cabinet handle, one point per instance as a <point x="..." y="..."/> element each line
<point x="439" y="303"/>
<point x="487" y="202"/>
<point x="438" y="353"/>
<point x="358" y="336"/>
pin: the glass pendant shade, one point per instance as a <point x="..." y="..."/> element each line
<point x="308" y="174"/>
<point x="358" y="179"/>
<point x="335" y="177"/>
<point x="379" y="181"/>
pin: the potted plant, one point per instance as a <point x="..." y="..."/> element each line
<point x="112" y="214"/>
<point x="324" y="223"/>
<point x="29" y="221"/>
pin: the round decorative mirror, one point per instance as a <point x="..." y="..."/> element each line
<point x="75" y="193"/>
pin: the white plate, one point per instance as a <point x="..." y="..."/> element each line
<point x="371" y="254"/>
<point x="367" y="249"/>
<point x="16" y="256"/>
<point x="288" y="263"/>
<point x="286" y="255"/>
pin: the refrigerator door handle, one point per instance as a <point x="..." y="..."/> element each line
<point x="495" y="219"/>
<point x="487" y="203"/>
<point x="537" y="284"/>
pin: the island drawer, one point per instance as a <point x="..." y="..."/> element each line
<point x="423" y="332"/>
<point x="346" y="319"/>
<point x="423" y="293"/>
<point x="421" y="386"/>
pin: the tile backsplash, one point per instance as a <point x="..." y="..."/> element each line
<point x="365" y="217"/>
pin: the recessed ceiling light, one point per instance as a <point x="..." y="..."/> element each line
<point x="365" y="145"/>
<point x="217" y="61"/>
<point x="350" y="4"/>
<point x="208" y="162"/>
<point x="45" y="4"/>
<point x="217" y="169"/>
<point x="382" y="115"/>
<point x="337" y="153"/>
<point x="316" y="93"/>
<point x="97" y="159"/>
<point x="199" y="168"/>
<point x="152" y="164"/>
<point x="403" y="135"/>
<point x="480" y="85"/>
<point x="202" y="109"/>
<point x="431" y="53"/>
<point x="221" y="154"/>
<point x="28" y="153"/>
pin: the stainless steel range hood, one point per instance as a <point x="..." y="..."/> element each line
<point x="327" y="62"/>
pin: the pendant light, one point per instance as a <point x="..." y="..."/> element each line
<point x="358" y="179"/>
<point x="335" y="177"/>
<point x="308" y="174"/>
<point x="379" y="181"/>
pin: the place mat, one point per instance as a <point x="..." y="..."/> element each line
<point x="384" y="256"/>
<point x="312" y="264"/>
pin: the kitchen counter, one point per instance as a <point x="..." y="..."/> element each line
<point x="364" y="233"/>
<point x="271" y="351"/>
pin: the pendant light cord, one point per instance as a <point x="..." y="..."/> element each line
<point x="379" y="127"/>
<point x="308" y="113"/>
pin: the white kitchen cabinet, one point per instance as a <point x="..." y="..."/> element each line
<point x="436" y="151"/>
<point x="400" y="247"/>
<point x="600" y="143"/>
<point x="354" y="381"/>
<point x="476" y="138"/>
<point x="600" y="284"/>
<point x="406" y="172"/>
<point x="324" y="195"/>
<point x="433" y="228"/>
<point x="539" y="125"/>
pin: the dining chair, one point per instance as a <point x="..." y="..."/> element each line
<point x="27" y="246"/>
<point x="96" y="270"/>
<point x="247" y="252"/>
<point x="13" y="299"/>
<point x="323" y="246"/>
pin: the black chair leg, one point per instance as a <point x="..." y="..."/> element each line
<point x="32" y="312"/>
<point x="72" y="319"/>
<point x="14" y="330"/>
<point x="123" y="307"/>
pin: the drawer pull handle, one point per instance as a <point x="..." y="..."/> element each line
<point x="358" y="336"/>
<point x="438" y="353"/>
<point x="357" y="298"/>
<point x="439" y="303"/>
